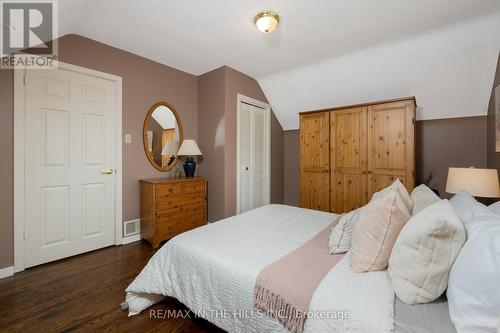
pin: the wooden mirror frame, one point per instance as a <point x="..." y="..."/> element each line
<point x="149" y="116"/>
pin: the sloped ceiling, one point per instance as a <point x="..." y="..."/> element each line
<point x="325" y="52"/>
<point x="450" y="71"/>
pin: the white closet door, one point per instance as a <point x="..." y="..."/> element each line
<point x="258" y="156"/>
<point x="70" y="142"/>
<point x="246" y="158"/>
<point x="253" y="155"/>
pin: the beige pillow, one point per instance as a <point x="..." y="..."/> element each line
<point x="341" y="234"/>
<point x="399" y="187"/>
<point x="424" y="253"/>
<point x="374" y="234"/>
<point x="422" y="196"/>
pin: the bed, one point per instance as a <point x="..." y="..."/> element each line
<point x="213" y="270"/>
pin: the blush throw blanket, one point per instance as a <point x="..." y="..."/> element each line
<point x="284" y="289"/>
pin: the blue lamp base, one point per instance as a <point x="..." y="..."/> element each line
<point x="189" y="167"/>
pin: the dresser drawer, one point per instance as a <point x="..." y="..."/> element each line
<point x="176" y="201"/>
<point x="165" y="190"/>
<point x="169" y="226"/>
<point x="181" y="211"/>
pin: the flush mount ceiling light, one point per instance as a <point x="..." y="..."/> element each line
<point x="266" y="21"/>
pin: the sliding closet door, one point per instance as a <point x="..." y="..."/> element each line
<point x="315" y="161"/>
<point x="253" y="158"/>
<point x="348" y="159"/>
<point x="391" y="145"/>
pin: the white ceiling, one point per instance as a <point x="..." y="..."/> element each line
<point x="165" y="117"/>
<point x="324" y="53"/>
<point x="449" y="71"/>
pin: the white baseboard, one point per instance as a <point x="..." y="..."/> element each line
<point x="131" y="239"/>
<point x="6" y="272"/>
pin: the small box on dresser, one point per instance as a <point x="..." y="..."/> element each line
<point x="171" y="206"/>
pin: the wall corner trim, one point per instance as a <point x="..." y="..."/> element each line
<point x="6" y="272"/>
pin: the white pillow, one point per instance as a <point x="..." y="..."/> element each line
<point x="467" y="207"/>
<point x="400" y="189"/>
<point x="341" y="234"/>
<point x="474" y="284"/>
<point x="495" y="208"/>
<point x="422" y="196"/>
<point x="424" y="253"/>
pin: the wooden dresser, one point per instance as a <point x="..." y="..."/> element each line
<point x="171" y="206"/>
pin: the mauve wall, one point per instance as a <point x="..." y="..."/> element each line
<point x="145" y="82"/>
<point x="440" y="144"/>
<point x="211" y="138"/>
<point x="291" y="155"/>
<point x="277" y="161"/>
<point x="6" y="168"/>
<point x="444" y="143"/>
<point x="493" y="156"/>
<point x="217" y="135"/>
<point x="239" y="83"/>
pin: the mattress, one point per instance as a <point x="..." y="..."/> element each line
<point x="213" y="269"/>
<point x="423" y="318"/>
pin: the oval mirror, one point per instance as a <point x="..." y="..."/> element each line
<point x="162" y="136"/>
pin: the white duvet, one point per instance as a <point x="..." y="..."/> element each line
<point x="213" y="269"/>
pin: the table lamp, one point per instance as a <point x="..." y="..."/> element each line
<point x="189" y="148"/>
<point x="476" y="182"/>
<point x="170" y="150"/>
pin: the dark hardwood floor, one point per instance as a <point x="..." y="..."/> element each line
<point x="83" y="294"/>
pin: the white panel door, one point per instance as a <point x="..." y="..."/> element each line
<point x="252" y="157"/>
<point x="69" y="145"/>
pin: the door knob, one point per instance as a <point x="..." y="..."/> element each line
<point x="107" y="171"/>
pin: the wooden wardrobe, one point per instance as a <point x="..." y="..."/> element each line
<point x="348" y="153"/>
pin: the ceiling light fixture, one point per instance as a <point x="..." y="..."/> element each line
<point x="266" y="21"/>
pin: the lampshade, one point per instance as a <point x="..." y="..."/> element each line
<point x="171" y="148"/>
<point x="189" y="148"/>
<point x="476" y="182"/>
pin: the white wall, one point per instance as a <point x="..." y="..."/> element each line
<point x="450" y="71"/>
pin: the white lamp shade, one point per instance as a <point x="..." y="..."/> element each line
<point x="476" y="182"/>
<point x="189" y="148"/>
<point x="171" y="148"/>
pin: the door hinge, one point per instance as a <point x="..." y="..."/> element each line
<point x="24" y="234"/>
<point x="24" y="79"/>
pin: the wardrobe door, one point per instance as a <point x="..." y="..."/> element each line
<point x="391" y="145"/>
<point x="315" y="161"/>
<point x="348" y="159"/>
